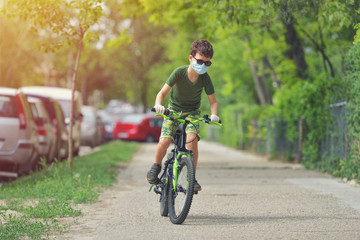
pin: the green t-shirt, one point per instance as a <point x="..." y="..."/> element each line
<point x="185" y="95"/>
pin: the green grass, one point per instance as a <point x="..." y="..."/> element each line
<point x="31" y="205"/>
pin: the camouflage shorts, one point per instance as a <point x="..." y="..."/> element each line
<point x="169" y="127"/>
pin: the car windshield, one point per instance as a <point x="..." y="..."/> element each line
<point x="133" y="119"/>
<point x="8" y="107"/>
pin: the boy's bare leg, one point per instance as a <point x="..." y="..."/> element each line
<point x="193" y="146"/>
<point x="152" y="174"/>
<point x="161" y="149"/>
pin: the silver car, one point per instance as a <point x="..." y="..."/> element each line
<point x="18" y="134"/>
<point x="108" y="123"/>
<point x="92" y="127"/>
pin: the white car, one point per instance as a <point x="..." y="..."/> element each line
<point x="63" y="96"/>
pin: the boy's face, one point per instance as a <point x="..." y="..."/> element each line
<point x="200" y="57"/>
<point x="199" y="63"/>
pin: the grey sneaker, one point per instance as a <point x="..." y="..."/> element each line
<point x="152" y="175"/>
<point x="197" y="186"/>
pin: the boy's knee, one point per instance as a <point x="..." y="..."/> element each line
<point x="165" y="142"/>
<point x="192" y="138"/>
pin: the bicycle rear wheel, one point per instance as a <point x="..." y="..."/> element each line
<point x="181" y="196"/>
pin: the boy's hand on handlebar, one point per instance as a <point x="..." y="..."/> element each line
<point x="214" y="118"/>
<point x="159" y="108"/>
<point x="165" y="112"/>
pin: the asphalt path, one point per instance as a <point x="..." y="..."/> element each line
<point x="243" y="196"/>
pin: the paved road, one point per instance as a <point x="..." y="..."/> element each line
<point x="243" y="197"/>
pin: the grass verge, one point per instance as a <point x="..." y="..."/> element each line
<point x="31" y="205"/>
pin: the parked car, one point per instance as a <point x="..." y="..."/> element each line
<point x="18" y="134"/>
<point x="63" y="96"/>
<point x="108" y="123"/>
<point x="57" y="120"/>
<point x="47" y="137"/>
<point x="138" y="127"/>
<point x="92" y="128"/>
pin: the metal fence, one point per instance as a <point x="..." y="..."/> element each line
<point x="270" y="137"/>
<point x="335" y="143"/>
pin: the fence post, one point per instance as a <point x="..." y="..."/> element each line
<point x="268" y="136"/>
<point x="299" y="158"/>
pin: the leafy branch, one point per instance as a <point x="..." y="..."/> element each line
<point x="65" y="22"/>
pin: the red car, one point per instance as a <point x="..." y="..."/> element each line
<point x="138" y="127"/>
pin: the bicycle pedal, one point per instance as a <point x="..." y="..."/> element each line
<point x="157" y="181"/>
<point x="196" y="192"/>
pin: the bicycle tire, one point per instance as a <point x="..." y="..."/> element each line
<point x="180" y="198"/>
<point x="164" y="202"/>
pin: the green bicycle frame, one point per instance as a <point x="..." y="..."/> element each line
<point x="180" y="154"/>
<point x="176" y="166"/>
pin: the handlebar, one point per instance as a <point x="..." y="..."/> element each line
<point x="173" y="116"/>
<point x="166" y="112"/>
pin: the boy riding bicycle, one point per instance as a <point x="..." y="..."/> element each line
<point x="186" y="84"/>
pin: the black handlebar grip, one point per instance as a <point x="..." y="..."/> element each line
<point x="206" y="117"/>
<point x="166" y="112"/>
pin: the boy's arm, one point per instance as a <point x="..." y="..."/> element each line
<point x="214" y="108"/>
<point x="160" y="98"/>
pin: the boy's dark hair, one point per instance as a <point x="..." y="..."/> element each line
<point x="203" y="47"/>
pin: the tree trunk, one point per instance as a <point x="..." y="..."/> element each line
<point x="136" y="87"/>
<point x="262" y="91"/>
<point x="144" y="89"/>
<point x="321" y="49"/>
<point x="73" y="85"/>
<point x="292" y="38"/>
<point x="70" y="73"/>
<point x="273" y="74"/>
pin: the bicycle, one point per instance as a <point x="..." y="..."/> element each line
<point x="176" y="183"/>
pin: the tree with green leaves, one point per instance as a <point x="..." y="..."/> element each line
<point x="65" y="22"/>
<point x="134" y="51"/>
<point x="357" y="36"/>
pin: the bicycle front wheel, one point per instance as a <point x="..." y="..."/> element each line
<point x="164" y="202"/>
<point x="181" y="195"/>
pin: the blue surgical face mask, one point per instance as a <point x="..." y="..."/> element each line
<point x="200" y="69"/>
